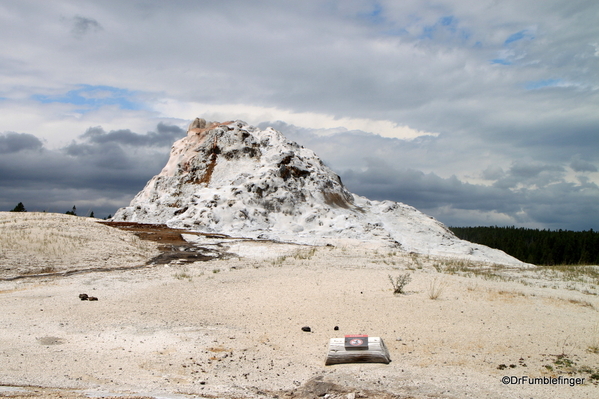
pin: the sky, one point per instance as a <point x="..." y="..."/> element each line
<point x="476" y="112"/>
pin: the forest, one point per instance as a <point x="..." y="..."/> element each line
<point x="540" y="247"/>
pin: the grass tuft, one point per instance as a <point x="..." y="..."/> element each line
<point x="183" y="275"/>
<point x="594" y="342"/>
<point x="436" y="288"/>
<point x="305" y="253"/>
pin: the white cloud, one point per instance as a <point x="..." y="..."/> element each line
<point x="255" y="115"/>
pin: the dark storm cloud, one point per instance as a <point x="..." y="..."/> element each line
<point x="165" y="135"/>
<point x="14" y="142"/>
<point x="564" y="204"/>
<point x="557" y="138"/>
<point x="580" y="165"/>
<point x="539" y="175"/>
<point x="559" y="205"/>
<point x="104" y="171"/>
<point x="427" y="190"/>
<point x="103" y="155"/>
<point x="493" y="172"/>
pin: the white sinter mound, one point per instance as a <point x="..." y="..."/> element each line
<point x="236" y="179"/>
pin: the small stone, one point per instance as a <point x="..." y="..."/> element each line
<point x="83" y="297"/>
<point x="336" y="328"/>
<point x="92" y="298"/>
<point x="306" y="329"/>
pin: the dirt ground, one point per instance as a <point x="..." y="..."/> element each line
<point x="232" y="326"/>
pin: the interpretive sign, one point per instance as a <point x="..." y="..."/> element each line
<point x="370" y="350"/>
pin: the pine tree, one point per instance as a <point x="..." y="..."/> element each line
<point x="91" y="215"/>
<point x="19" y="208"/>
<point x="72" y="211"/>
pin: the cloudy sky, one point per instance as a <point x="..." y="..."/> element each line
<point x="477" y="112"/>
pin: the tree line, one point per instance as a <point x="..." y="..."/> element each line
<point x="540" y="247"/>
<point x="21" y="208"/>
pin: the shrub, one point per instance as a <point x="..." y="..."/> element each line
<point x="400" y="282"/>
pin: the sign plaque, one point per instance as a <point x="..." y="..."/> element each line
<point x="356" y="342"/>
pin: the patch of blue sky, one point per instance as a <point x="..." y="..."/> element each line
<point x="450" y="22"/>
<point x="444" y="25"/>
<point x="523" y="34"/>
<point x="501" y="61"/>
<point x="94" y="97"/>
<point x="428" y="31"/>
<point x="375" y="15"/>
<point x="509" y="47"/>
<point x="465" y="35"/>
<point x="540" y="84"/>
<point x="447" y="24"/>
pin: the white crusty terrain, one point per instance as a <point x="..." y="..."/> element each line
<point x="231" y="328"/>
<point x="236" y="179"/>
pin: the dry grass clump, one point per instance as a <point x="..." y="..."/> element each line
<point x="415" y="262"/>
<point x="581" y="278"/>
<point x="594" y="341"/>
<point x="472" y="269"/>
<point x="581" y="303"/>
<point x="301" y="254"/>
<point x="574" y="273"/>
<point x="436" y="288"/>
<point x="183" y="275"/>
<point x="305" y="253"/>
<point x="279" y="260"/>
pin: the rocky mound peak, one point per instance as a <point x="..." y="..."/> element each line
<point x="236" y="179"/>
